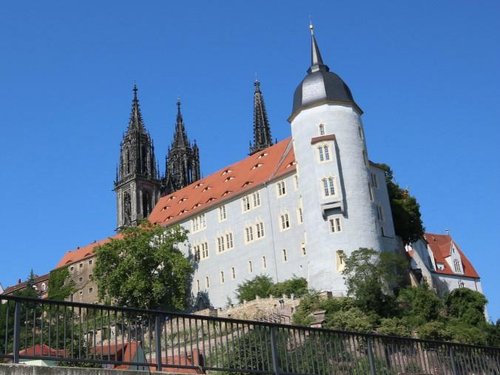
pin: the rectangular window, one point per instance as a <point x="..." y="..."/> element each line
<point x="233" y="273"/>
<point x="249" y="234"/>
<point x="221" y="246"/>
<point x="365" y="158"/>
<point x="296" y="182"/>
<point x="284" y="222"/>
<point x="380" y="213"/>
<point x="204" y="250"/>
<point x="196" y="253"/>
<point x="336" y="224"/>
<point x="222" y="213"/>
<point x="250" y="266"/>
<point x="264" y="262"/>
<point x="207" y="282"/>
<point x="340" y="260"/>
<point x="374" y="180"/>
<point x="260" y="230"/>
<point x="324" y="152"/>
<point x="222" y="277"/>
<point x="300" y="216"/>
<point x="303" y="248"/>
<point x="198" y="286"/>
<point x="328" y="186"/>
<point x="198" y="223"/>
<point x="229" y="240"/>
<point x="256" y="199"/>
<point x="285" y="257"/>
<point x="281" y="188"/>
<point x="246" y="203"/>
<point x="370" y="192"/>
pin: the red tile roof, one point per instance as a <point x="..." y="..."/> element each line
<point x="440" y="245"/>
<point x="84" y="252"/>
<point x="227" y="183"/>
<point x="257" y="169"/>
<point x="42" y="351"/>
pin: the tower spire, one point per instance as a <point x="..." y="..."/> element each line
<point x="182" y="161"/>
<point x="136" y="122"/>
<point x="261" y="129"/>
<point x="316" y="59"/>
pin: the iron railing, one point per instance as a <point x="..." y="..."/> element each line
<point x="117" y="337"/>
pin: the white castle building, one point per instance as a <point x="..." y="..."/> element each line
<point x="295" y="208"/>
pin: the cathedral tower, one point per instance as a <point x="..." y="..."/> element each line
<point x="137" y="184"/>
<point x="333" y="173"/>
<point x="182" y="161"/>
<point x="261" y="130"/>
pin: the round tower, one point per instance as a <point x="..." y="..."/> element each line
<point x="333" y="174"/>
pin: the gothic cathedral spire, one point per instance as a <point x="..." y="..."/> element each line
<point x="183" y="159"/>
<point x="137" y="184"/>
<point x="261" y="129"/>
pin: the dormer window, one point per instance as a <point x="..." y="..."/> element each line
<point x="457" y="267"/>
<point x="264" y="154"/>
<point x="226" y="172"/>
<point x="440" y="266"/>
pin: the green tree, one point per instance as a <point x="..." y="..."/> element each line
<point x="467" y="306"/>
<point x="296" y="286"/>
<point x="145" y="268"/>
<point x="405" y="209"/>
<point x="419" y="305"/>
<point x="373" y="278"/>
<point x="259" y="286"/>
<point x="60" y="284"/>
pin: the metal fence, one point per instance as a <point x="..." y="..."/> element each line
<point x="79" y="334"/>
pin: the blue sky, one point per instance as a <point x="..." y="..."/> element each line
<point x="425" y="73"/>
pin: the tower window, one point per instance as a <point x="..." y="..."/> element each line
<point x="324" y="153"/>
<point x="336" y="224"/>
<point x="321" y="129"/>
<point x="374" y="180"/>
<point x="340" y="260"/>
<point x="328" y="186"/>
<point x="207" y="282"/>
<point x="233" y="273"/>
<point x="222" y="277"/>
<point x="285" y="257"/>
<point x="250" y="266"/>
<point x="264" y="262"/>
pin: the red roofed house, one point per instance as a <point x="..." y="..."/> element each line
<point x="438" y="260"/>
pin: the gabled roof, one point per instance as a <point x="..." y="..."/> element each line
<point x="225" y="184"/>
<point x="440" y="245"/>
<point x="84" y="252"/>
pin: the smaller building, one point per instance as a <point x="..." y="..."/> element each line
<point x="40" y="284"/>
<point x="438" y="260"/>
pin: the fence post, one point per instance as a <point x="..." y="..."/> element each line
<point x="274" y="352"/>
<point x="371" y="360"/>
<point x="452" y="360"/>
<point x="17" y="330"/>
<point x="158" y="341"/>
